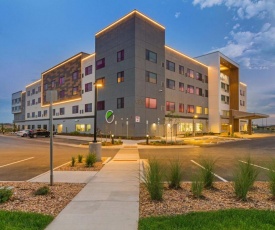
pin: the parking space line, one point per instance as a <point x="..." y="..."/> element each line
<point x="222" y="179"/>
<point x="255" y="165"/>
<point x="2" y="166"/>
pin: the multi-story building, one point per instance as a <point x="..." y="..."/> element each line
<point x="147" y="87"/>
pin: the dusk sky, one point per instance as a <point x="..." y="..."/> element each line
<point x="38" y="34"/>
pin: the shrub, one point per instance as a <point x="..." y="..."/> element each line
<point x="271" y="177"/>
<point x="207" y="172"/>
<point x="152" y="177"/>
<point x="244" y="178"/>
<point x="42" y="191"/>
<point x="80" y="157"/>
<point x="73" y="161"/>
<point x="90" y="159"/>
<point x="197" y="185"/>
<point x="5" y="194"/>
<point x="175" y="174"/>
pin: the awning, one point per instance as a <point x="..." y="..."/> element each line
<point x="245" y="115"/>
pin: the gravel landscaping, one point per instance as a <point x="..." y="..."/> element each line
<point x="220" y="197"/>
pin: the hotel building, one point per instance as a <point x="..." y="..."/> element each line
<point x="147" y="88"/>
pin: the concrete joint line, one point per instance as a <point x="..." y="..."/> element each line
<point x="222" y="179"/>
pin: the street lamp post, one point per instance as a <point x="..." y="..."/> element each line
<point x="194" y="131"/>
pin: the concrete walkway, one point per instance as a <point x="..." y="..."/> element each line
<point x="110" y="200"/>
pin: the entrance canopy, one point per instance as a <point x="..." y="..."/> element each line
<point x="249" y="116"/>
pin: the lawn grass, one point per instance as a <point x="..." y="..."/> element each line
<point x="225" y="219"/>
<point x="22" y="220"/>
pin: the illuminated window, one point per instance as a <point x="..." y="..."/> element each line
<point x="151" y="77"/>
<point x="190" y="73"/>
<point x="88" y="128"/>
<point x="88" y="87"/>
<point x="170" y="106"/>
<point x="190" y="89"/>
<point x="199" y="76"/>
<point x="181" y="108"/>
<point x="206" y="111"/>
<point x="198" y="109"/>
<point x="120" y="55"/>
<point x="170" y="84"/>
<point x="120" y="77"/>
<point x="190" y="108"/>
<point x="100" y="63"/>
<point x="75" y="109"/>
<point x="62" y="111"/>
<point x="181" y="86"/>
<point x="88" y="107"/>
<point x="101" y="105"/>
<point x="170" y="65"/>
<point x="151" y="56"/>
<point x="75" y="75"/>
<point x="120" y="103"/>
<point x="80" y="127"/>
<point x="88" y="70"/>
<point x="75" y="90"/>
<point x="150" y="103"/>
<point x="61" y="80"/>
<point x="101" y="81"/>
<point x="199" y="91"/>
<point x="181" y="69"/>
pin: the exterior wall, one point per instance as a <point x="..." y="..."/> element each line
<point x="185" y="119"/>
<point x="243" y="97"/>
<point x="18" y="106"/>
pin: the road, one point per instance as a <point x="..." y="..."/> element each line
<point x="24" y="158"/>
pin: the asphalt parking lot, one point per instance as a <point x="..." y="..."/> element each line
<point x="24" y="158"/>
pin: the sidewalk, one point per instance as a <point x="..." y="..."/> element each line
<point x="110" y="200"/>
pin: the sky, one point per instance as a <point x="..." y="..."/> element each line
<point x="38" y="34"/>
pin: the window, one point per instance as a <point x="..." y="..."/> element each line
<point x="33" y="114"/>
<point x="170" y="84"/>
<point x="39" y="114"/>
<point x="28" y="93"/>
<point x="150" y="103"/>
<point x="170" y="65"/>
<point x="62" y="111"/>
<point x="190" y="108"/>
<point x="53" y="84"/>
<point x="28" y="103"/>
<point x="199" y="76"/>
<point x="33" y="101"/>
<point x="151" y="77"/>
<point x="181" y="86"/>
<point x="120" y="77"/>
<point x="75" y="90"/>
<point x="101" y="105"/>
<point x="170" y="106"/>
<point x="206" y="111"/>
<point x="100" y="63"/>
<point x="28" y="115"/>
<point x="39" y="88"/>
<point x="33" y="91"/>
<point x="181" y="69"/>
<point x="45" y="113"/>
<point x="39" y="100"/>
<point x="75" y="109"/>
<point x="198" y="109"/>
<point x="75" y="75"/>
<point x="88" y="70"/>
<point x="199" y="91"/>
<point x="190" y="73"/>
<point x="88" y="107"/>
<point x="61" y="80"/>
<point x="206" y="93"/>
<point x="120" y="103"/>
<point x="53" y="112"/>
<point x="62" y="94"/>
<point x="181" y="108"/>
<point x="225" y="99"/>
<point x="190" y="89"/>
<point x="151" y="56"/>
<point x="45" y="87"/>
<point x="44" y="126"/>
<point x="101" y="81"/>
<point x="88" y="87"/>
<point x="206" y="79"/>
<point x="120" y="55"/>
<point x="80" y="127"/>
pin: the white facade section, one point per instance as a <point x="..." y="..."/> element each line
<point x="33" y="101"/>
<point x="243" y="97"/>
<point x="16" y="102"/>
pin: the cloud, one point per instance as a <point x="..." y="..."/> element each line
<point x="236" y="26"/>
<point x="177" y="14"/>
<point x="245" y="8"/>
